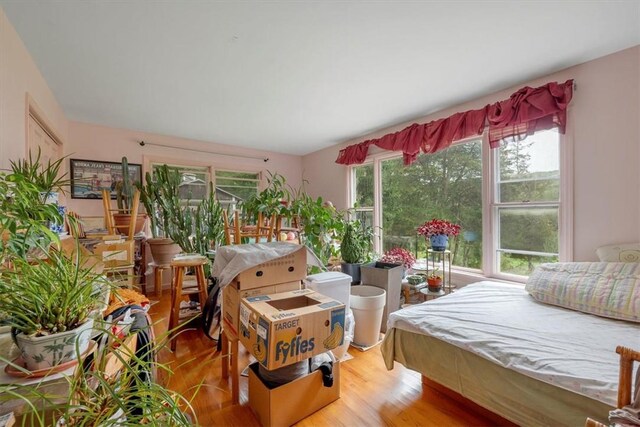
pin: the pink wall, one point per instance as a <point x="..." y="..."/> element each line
<point x="603" y="123"/>
<point x="20" y="76"/>
<point x="94" y="142"/>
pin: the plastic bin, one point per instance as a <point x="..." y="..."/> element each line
<point x="367" y="303"/>
<point x="335" y="285"/>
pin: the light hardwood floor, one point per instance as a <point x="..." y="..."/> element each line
<point x="370" y="395"/>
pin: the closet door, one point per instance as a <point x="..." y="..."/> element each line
<point x="38" y="137"/>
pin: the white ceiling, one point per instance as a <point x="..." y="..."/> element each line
<point x="296" y="77"/>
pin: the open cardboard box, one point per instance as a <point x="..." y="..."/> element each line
<point x="285" y="328"/>
<point x="289" y="403"/>
<point x="231" y="297"/>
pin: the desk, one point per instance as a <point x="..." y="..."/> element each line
<point x="230" y="359"/>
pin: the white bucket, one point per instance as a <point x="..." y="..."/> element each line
<point x="367" y="303"/>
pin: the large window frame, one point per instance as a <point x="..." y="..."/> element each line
<point x="490" y="206"/>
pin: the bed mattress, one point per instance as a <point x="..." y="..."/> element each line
<point x="503" y="324"/>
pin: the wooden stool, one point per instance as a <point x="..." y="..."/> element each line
<point x="157" y="277"/>
<point x="230" y="359"/>
<point x="179" y="266"/>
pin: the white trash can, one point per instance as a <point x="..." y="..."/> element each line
<point x="367" y="303"/>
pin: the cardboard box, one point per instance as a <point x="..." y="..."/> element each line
<point x="285" y="269"/>
<point x="285" y="328"/>
<point x="291" y="402"/>
<point x="231" y="297"/>
<point x="389" y="278"/>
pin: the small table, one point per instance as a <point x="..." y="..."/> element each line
<point x="429" y="295"/>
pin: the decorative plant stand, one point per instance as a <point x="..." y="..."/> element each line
<point x="441" y="261"/>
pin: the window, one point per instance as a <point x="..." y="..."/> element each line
<point x="447" y="185"/>
<point x="233" y="186"/>
<point x="508" y="202"/>
<point x="364" y="194"/>
<point x="527" y="202"/>
<point x="194" y="182"/>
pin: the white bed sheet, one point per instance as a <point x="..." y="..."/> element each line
<point x="505" y="325"/>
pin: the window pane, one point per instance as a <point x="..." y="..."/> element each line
<point x="529" y="170"/>
<point x="232" y="186"/>
<point x="194" y="181"/>
<point x="364" y="186"/>
<point x="529" y="229"/>
<point x="520" y="264"/>
<point x="446" y="185"/>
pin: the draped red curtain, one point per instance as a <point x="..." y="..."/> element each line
<point x="526" y="111"/>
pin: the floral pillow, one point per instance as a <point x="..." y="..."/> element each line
<point x="624" y="252"/>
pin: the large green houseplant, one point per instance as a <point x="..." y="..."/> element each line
<point x="355" y="248"/>
<point x="195" y="226"/>
<point x="155" y="189"/>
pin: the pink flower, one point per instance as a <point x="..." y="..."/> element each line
<point x="399" y="256"/>
<point x="438" y="226"/>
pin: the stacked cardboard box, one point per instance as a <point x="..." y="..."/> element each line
<point x="279" y="275"/>
<point x="281" y="324"/>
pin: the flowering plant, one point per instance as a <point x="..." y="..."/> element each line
<point x="399" y="256"/>
<point x="438" y="226"/>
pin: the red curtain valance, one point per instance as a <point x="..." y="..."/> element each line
<point x="526" y="111"/>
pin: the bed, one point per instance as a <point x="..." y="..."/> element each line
<point x="529" y="362"/>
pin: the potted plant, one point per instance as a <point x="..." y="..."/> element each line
<point x="354" y="248"/>
<point x="438" y="232"/>
<point x="157" y="188"/>
<point x="399" y="256"/>
<point x="49" y="303"/>
<point x="124" y="198"/>
<point x="434" y="281"/>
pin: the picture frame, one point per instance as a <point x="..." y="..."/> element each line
<point x="90" y="177"/>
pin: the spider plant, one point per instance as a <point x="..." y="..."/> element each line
<point x="43" y="297"/>
<point x="25" y="216"/>
<point x="97" y="396"/>
<point x="45" y="177"/>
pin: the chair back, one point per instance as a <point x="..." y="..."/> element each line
<point x="236" y="231"/>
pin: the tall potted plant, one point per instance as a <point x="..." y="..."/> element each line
<point x="154" y="190"/>
<point x="124" y="198"/>
<point x="354" y="247"/>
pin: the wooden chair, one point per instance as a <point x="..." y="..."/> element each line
<point x="108" y="213"/>
<point x="235" y="232"/>
<point x="118" y="260"/>
<point x="294" y="227"/>
<point x="625" y="392"/>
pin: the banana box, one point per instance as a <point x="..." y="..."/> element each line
<point x="285" y="269"/>
<point x="285" y="328"/>
<point x="231" y="297"/>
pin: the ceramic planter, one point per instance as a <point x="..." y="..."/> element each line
<point x="435" y="284"/>
<point x="51" y="350"/>
<point x="122" y="222"/>
<point x="163" y="250"/>
<point x="439" y="242"/>
<point x="352" y="270"/>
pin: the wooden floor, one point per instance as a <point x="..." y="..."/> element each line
<point x="370" y="395"/>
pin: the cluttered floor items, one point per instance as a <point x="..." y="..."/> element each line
<point x="290" y="331"/>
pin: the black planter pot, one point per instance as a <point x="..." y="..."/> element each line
<point x="352" y="270"/>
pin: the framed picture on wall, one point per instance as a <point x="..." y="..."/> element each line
<point x="90" y="177"/>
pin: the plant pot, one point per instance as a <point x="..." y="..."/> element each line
<point x="434" y="284"/>
<point x="52" y="350"/>
<point x="352" y="270"/>
<point x="439" y="242"/>
<point x="122" y="221"/>
<point x="163" y="250"/>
